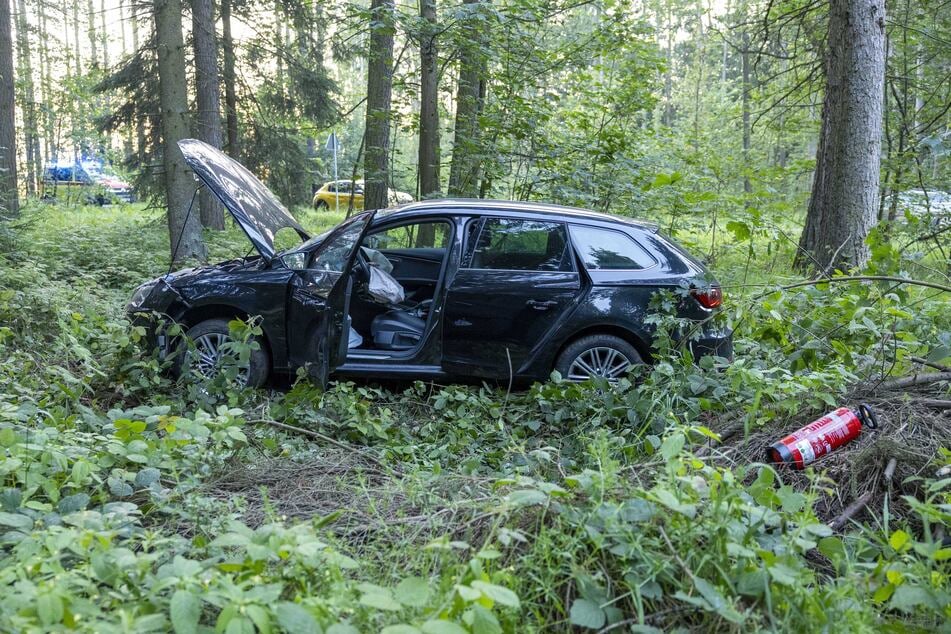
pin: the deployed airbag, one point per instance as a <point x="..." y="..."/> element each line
<point x="384" y="288"/>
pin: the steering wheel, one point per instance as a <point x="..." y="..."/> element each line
<point x="363" y="265"/>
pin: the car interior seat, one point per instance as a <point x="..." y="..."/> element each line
<point x="401" y="327"/>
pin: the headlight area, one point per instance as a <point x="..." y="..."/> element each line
<point x="139" y="296"/>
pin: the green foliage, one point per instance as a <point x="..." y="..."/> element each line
<point x="590" y="504"/>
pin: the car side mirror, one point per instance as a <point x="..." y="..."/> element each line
<point x="295" y="261"/>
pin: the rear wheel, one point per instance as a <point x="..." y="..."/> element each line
<point x="321" y="205"/>
<point x="205" y="357"/>
<point x="597" y="356"/>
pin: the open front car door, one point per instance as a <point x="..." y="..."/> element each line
<point x="318" y="311"/>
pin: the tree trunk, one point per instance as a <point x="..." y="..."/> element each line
<point x="184" y="227"/>
<point x="76" y="53"/>
<point x="428" y="102"/>
<point x="747" y="185"/>
<point x="140" y="140"/>
<point x="379" y="91"/>
<point x="208" y="124"/>
<point x="464" y="171"/>
<point x="231" y="100"/>
<point x="91" y="32"/>
<point x="104" y="34"/>
<point x="844" y="201"/>
<point x="9" y="201"/>
<point x="28" y="100"/>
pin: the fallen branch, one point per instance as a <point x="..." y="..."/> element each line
<point x="319" y="436"/>
<point x="915" y="379"/>
<point x="868" y="278"/>
<point x="851" y="510"/>
<point x="931" y="364"/>
<point x="934" y="402"/>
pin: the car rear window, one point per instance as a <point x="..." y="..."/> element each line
<point x="607" y="250"/>
<point x="522" y="245"/>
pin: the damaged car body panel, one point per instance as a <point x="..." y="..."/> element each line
<point x="439" y="289"/>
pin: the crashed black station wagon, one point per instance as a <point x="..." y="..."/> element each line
<point x="439" y="289"/>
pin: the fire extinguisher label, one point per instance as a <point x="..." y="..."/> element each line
<point x="805" y="450"/>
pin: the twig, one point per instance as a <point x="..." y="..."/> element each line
<point x="851" y="510"/>
<point x="915" y="379"/>
<point x="935" y="403"/>
<point x="868" y="278"/>
<point x="319" y="436"/>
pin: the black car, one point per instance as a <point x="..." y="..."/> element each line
<point x="437" y="289"/>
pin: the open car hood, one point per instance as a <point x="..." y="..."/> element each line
<point x="254" y="207"/>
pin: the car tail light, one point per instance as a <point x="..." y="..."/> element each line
<point x="710" y="297"/>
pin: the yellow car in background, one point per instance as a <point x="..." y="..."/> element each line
<point x="327" y="196"/>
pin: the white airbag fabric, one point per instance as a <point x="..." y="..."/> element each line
<point x="384" y="288"/>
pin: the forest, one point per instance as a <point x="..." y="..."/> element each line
<point x="798" y="150"/>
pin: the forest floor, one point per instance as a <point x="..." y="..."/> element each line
<point x="134" y="503"/>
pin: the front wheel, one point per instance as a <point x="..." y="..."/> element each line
<point x="209" y="351"/>
<point x="597" y="356"/>
<point x="321" y="205"/>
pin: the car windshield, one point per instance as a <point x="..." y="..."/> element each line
<point x="339" y="244"/>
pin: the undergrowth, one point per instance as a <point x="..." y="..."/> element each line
<point x="134" y="503"/>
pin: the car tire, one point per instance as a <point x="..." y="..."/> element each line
<point x="604" y="356"/>
<point x="321" y="205"/>
<point x="213" y="332"/>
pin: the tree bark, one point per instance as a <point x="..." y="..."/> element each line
<point x="91" y="32"/>
<point x="379" y="92"/>
<point x="844" y="201"/>
<point x="28" y="100"/>
<point x="231" y="100"/>
<point x="208" y="121"/>
<point x="428" y="102"/>
<point x="464" y="171"/>
<point x="9" y="201"/>
<point x="140" y="140"/>
<point x="747" y="185"/>
<point x="76" y="53"/>
<point x="184" y="227"/>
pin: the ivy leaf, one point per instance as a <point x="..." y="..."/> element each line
<point x="585" y="613"/>
<point x="185" y="610"/>
<point x="73" y="503"/>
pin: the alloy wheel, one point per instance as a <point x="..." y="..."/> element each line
<point x="210" y="352"/>
<point x="599" y="362"/>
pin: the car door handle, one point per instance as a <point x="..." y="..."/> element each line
<point x="541" y="305"/>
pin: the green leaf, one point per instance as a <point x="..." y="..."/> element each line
<point x="296" y="619"/>
<point x="441" y="626"/>
<point x="16" y="520"/>
<point x="499" y="594"/>
<point x="898" y="540"/>
<point x="673" y="444"/>
<point x="527" y="497"/>
<point x="907" y="597"/>
<point x="484" y="622"/>
<point x="740" y="230"/>
<point x="342" y="628"/>
<point x="146" y="477"/>
<point x="49" y="607"/>
<point x="585" y="613"/>
<point x="73" y="503"/>
<point x="381" y="599"/>
<point x="412" y="591"/>
<point x="185" y="611"/>
<point x="401" y="628"/>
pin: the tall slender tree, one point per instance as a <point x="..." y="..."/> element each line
<point x="844" y="201"/>
<point x="31" y="139"/>
<point x="464" y="171"/>
<point x="208" y="121"/>
<point x="184" y="227"/>
<point x="379" y="93"/>
<point x="91" y="32"/>
<point x="9" y="201"/>
<point x="428" y="101"/>
<point x="228" y="75"/>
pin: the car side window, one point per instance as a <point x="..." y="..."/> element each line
<point x="332" y="187"/>
<point x="522" y="245"/>
<point x="607" y="250"/>
<point x="333" y="255"/>
<point x="431" y="234"/>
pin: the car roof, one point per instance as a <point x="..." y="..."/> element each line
<point x="476" y="206"/>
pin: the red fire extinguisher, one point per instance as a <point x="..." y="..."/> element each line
<point x="821" y="436"/>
